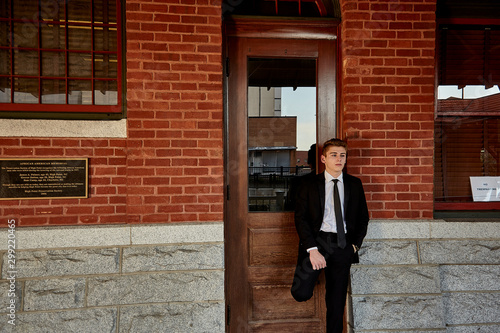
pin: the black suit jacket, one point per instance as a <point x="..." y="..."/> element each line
<point x="310" y="207"/>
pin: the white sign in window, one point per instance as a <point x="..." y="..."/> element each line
<point x="485" y="188"/>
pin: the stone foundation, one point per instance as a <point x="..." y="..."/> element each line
<point x="427" y="276"/>
<point x="167" y="278"/>
<point x="414" y="276"/>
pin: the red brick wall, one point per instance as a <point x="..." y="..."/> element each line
<point x="170" y="168"/>
<point x="108" y="178"/>
<point x="174" y="78"/>
<point x="388" y="75"/>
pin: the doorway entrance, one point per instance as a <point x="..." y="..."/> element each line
<point x="281" y="102"/>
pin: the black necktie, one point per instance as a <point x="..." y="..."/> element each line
<point x="338" y="216"/>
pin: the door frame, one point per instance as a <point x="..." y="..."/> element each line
<point x="245" y="34"/>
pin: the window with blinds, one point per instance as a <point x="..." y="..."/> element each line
<point x="467" y="124"/>
<point x="469" y="55"/>
<point x="60" y="57"/>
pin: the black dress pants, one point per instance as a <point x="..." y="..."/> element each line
<point x="337" y="271"/>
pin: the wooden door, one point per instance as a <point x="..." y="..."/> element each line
<point x="261" y="242"/>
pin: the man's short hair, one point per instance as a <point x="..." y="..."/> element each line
<point x="334" y="143"/>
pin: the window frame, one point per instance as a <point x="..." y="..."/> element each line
<point x="92" y="111"/>
<point x="454" y="209"/>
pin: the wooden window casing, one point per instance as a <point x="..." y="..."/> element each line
<point x="61" y="57"/>
<point x="467" y="131"/>
<point x="283" y="8"/>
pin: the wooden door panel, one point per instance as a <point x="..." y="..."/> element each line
<point x="288" y="327"/>
<point x="273" y="302"/>
<point x="273" y="247"/>
<point x="271" y="220"/>
<point x="275" y="274"/>
<point x="313" y="326"/>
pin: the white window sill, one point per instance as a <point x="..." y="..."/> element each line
<point x="63" y="128"/>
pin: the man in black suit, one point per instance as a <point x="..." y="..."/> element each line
<point x="331" y="217"/>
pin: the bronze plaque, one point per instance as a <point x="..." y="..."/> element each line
<point x="43" y="178"/>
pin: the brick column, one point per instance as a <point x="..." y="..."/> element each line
<point x="174" y="78"/>
<point x="388" y="98"/>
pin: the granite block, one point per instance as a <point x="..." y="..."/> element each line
<point x="470" y="277"/>
<point x="395" y="280"/>
<point x="81" y="321"/>
<point x="176" y="317"/>
<point x="10" y="294"/>
<point x="472" y="307"/>
<point x="460" y="252"/>
<point x="54" y="294"/>
<point x="173" y="257"/>
<point x="66" y="262"/>
<point x="388" y="253"/>
<point x="398" y="312"/>
<point x="156" y="288"/>
<point x="484" y="328"/>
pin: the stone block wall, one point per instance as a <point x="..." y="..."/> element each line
<point x="427" y="276"/>
<point x="414" y="276"/>
<point x="149" y="278"/>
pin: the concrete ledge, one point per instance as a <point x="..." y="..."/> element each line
<point x="63" y="128"/>
<point x="120" y="235"/>
<point x="469" y="230"/>
<point x="398" y="229"/>
<point x="431" y="229"/>
<point x="62" y="237"/>
<point x="177" y="233"/>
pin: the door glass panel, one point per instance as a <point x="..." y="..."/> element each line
<point x="281" y="130"/>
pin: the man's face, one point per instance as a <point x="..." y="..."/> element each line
<point x="334" y="159"/>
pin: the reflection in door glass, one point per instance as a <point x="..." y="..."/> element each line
<point x="281" y="130"/>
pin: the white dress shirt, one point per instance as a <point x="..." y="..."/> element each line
<point x="329" y="222"/>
